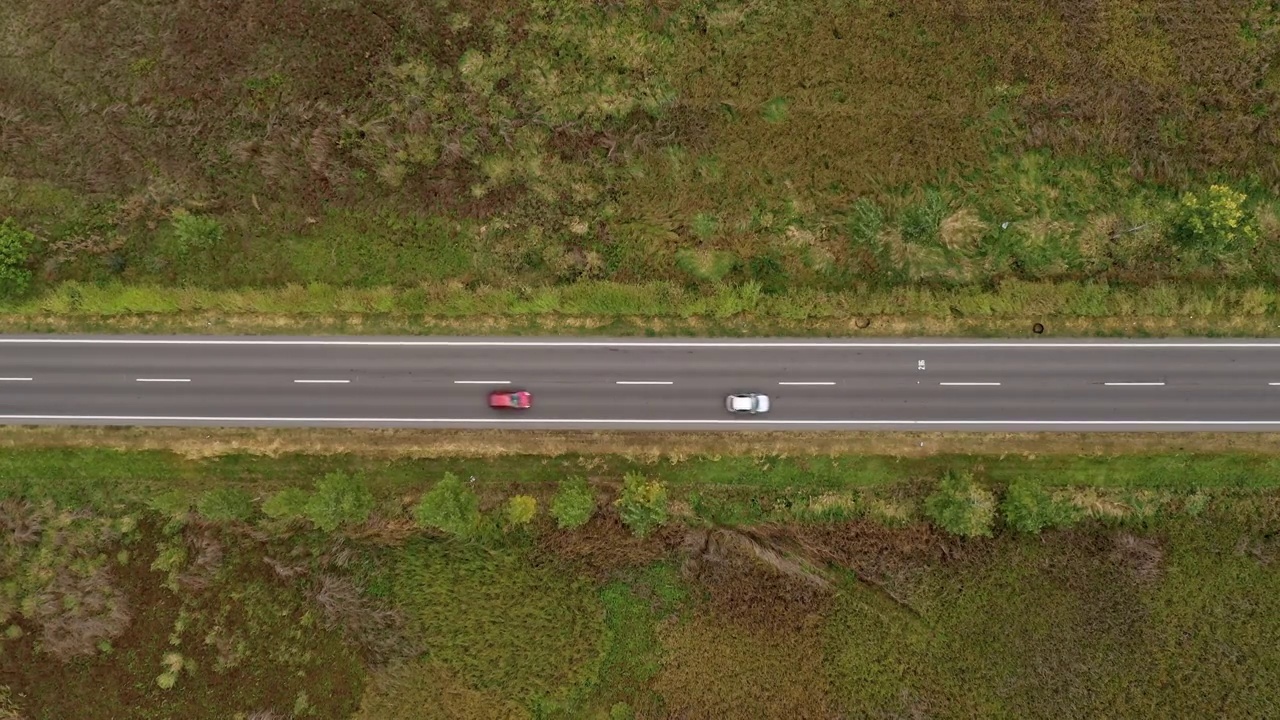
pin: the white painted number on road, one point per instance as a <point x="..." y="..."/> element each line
<point x="920" y="365"/>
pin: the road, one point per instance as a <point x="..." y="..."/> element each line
<point x="642" y="384"/>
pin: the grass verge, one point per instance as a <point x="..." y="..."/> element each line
<point x="607" y="308"/>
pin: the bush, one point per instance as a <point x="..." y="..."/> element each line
<point x="290" y="504"/>
<point x="643" y="504"/>
<point x="574" y="503"/>
<point x="1028" y="508"/>
<point x="225" y="505"/>
<point x="15" y="251"/>
<point x="961" y="506"/>
<point x="339" y="499"/>
<point x="1214" y="223"/>
<point x="521" y="510"/>
<point x="451" y="506"/>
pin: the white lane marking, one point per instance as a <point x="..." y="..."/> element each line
<point x="15" y="379"/>
<point x="1273" y="383"/>
<point x="886" y="344"/>
<point x="588" y="421"/>
<point x="808" y="383"/>
<point x="323" y="382"/>
<point x="164" y="379"/>
<point x="968" y="383"/>
<point x="1134" y="384"/>
<point x="481" y="382"/>
<point x="644" y="382"/>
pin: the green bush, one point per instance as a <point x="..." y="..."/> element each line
<point x="339" y="499"/>
<point x="225" y="504"/>
<point x="1028" y="508"/>
<point x="289" y="504"/>
<point x="15" y="251"/>
<point x="961" y="506"/>
<point x="1214" y="222"/>
<point x="521" y="510"/>
<point x="451" y="506"/>
<point x="643" y="504"/>
<point x="574" y="503"/>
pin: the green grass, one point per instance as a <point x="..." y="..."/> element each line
<point x="1064" y="629"/>
<point x="466" y="601"/>
<point x="103" y="478"/>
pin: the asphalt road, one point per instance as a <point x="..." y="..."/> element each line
<point x="640" y="384"/>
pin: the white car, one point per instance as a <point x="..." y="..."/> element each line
<point x="747" y="403"/>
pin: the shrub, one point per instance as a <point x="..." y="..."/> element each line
<point x="574" y="503"/>
<point x="1028" y="508"/>
<point x="451" y="506"/>
<point x="225" y="505"/>
<point x="521" y="510"/>
<point x="290" y="504"/>
<point x="339" y="499"/>
<point x="643" y="504"/>
<point x="961" y="506"/>
<point x="15" y="251"/>
<point x="1214" y="222"/>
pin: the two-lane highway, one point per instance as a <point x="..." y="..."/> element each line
<point x="641" y="384"/>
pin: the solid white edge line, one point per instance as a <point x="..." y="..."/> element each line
<point x="179" y="380"/>
<point x="323" y="382"/>
<point x="1134" y="384"/>
<point x="15" y="379"/>
<point x="586" y="421"/>
<point x="644" y="382"/>
<point x="967" y="383"/>
<point x="807" y="383"/>
<point x="883" y="344"/>
<point x="481" y="382"/>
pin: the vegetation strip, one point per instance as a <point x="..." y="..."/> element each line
<point x="595" y="586"/>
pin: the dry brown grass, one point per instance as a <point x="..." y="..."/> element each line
<point x="714" y="668"/>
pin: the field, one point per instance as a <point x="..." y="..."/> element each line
<point x="703" y="166"/>
<point x="144" y="583"/>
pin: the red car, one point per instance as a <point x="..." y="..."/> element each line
<point x="516" y="400"/>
